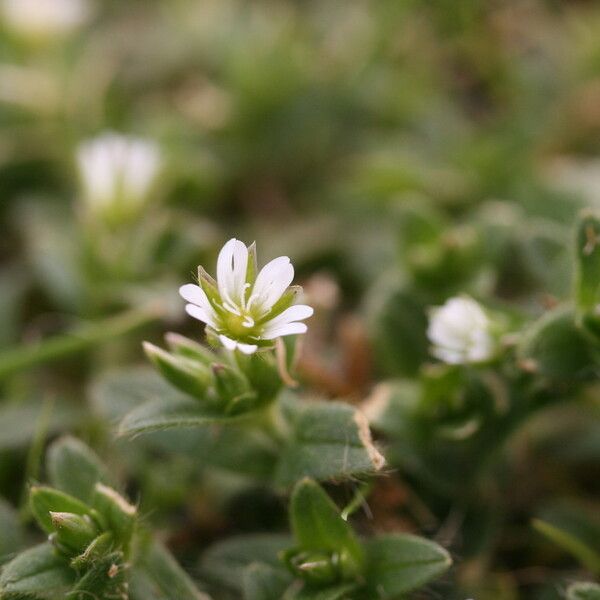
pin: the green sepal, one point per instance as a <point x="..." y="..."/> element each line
<point x="97" y="548"/>
<point x="119" y="514"/>
<point x="189" y="376"/>
<point x="44" y="500"/>
<point x="286" y="300"/>
<point x="183" y="346"/>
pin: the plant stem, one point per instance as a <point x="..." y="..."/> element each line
<point x="80" y="339"/>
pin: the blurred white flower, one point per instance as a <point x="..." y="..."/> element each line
<point x="45" y="18"/>
<point x="243" y="309"/>
<point x="118" y="171"/>
<point x="460" y="332"/>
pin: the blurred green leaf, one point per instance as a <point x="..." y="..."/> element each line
<point x="557" y="348"/>
<point x="317" y="524"/>
<point x="397" y="564"/>
<point x="587" y="273"/>
<point x="579" y="549"/>
<point x="175" y="411"/>
<point x="226" y="561"/>
<point x="329" y="440"/>
<point x="12" y="534"/>
<point x="74" y="468"/>
<point x="265" y="582"/>
<point x="157" y="576"/>
<point x="37" y="570"/>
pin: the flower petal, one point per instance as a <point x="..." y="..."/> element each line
<point x="247" y="348"/>
<point x="232" y="265"/>
<point x="199" y="313"/>
<point x="228" y="342"/>
<point x="286" y="329"/>
<point x="274" y="278"/>
<point x="298" y="312"/>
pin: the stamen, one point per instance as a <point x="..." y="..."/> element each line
<point x="248" y="321"/>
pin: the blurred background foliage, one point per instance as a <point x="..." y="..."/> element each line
<point x="398" y="151"/>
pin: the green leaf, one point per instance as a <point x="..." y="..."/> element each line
<point x="157" y="576"/>
<point x="44" y="500"/>
<point x="398" y="324"/>
<point x="557" y="348"/>
<point x="177" y="411"/>
<point x="317" y="524"/>
<point x="11" y="532"/>
<point x="567" y="541"/>
<point x="330" y="440"/>
<point x="39" y="569"/>
<point x="397" y="564"/>
<point x="264" y="582"/>
<point x="74" y="468"/>
<point x="19" y="423"/>
<point x="587" y="272"/>
<point x="117" y="392"/>
<point x="583" y="591"/>
<point x="225" y="563"/>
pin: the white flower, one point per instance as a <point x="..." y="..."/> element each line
<point x="461" y="332"/>
<point x="243" y="309"/>
<point x="118" y="170"/>
<point x="44" y="18"/>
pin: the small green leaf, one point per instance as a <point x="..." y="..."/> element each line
<point x="583" y="591"/>
<point x="44" y="500"/>
<point x="224" y="563"/>
<point x="329" y="440"/>
<point x="317" y="524"/>
<point x="157" y="576"/>
<point x="74" y="468"/>
<point x="38" y="569"/>
<point x="398" y="324"/>
<point x="557" y="348"/>
<point x="567" y="541"/>
<point x="264" y="582"/>
<point x="167" y="414"/>
<point x="397" y="564"/>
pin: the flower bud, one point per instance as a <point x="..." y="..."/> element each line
<point x="73" y="532"/>
<point x="117" y="174"/>
<point x="320" y="568"/>
<point x="188" y="375"/>
<point x="233" y="389"/>
<point x="460" y="332"/>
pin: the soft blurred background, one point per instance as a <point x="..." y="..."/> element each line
<point x="398" y="151"/>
